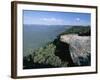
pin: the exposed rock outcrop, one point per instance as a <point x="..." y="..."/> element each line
<point x="67" y="50"/>
<point x="80" y="48"/>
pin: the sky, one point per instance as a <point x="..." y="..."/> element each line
<point x="55" y="18"/>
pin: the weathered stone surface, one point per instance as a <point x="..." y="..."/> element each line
<point x="80" y="48"/>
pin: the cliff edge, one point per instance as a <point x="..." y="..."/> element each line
<point x="79" y="47"/>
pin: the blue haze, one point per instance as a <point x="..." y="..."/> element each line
<point x="41" y="27"/>
<point x="36" y="36"/>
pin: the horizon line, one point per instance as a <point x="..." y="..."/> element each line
<point x="57" y="24"/>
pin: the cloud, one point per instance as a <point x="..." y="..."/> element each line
<point x="77" y="19"/>
<point x="51" y="19"/>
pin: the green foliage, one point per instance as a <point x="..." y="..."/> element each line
<point x="81" y="30"/>
<point x="64" y="64"/>
<point x="45" y="55"/>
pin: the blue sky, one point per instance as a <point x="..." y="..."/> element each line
<point x="56" y="18"/>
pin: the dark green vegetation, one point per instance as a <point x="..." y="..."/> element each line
<point x="44" y="57"/>
<point x="80" y="30"/>
<point x="55" y="53"/>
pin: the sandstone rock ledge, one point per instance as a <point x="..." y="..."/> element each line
<point x="80" y="48"/>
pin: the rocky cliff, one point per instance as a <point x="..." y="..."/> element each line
<point x="79" y="47"/>
<point x="67" y="50"/>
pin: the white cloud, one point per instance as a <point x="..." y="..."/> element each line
<point x="51" y="19"/>
<point x="77" y="19"/>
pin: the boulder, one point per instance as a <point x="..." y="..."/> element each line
<point x="80" y="48"/>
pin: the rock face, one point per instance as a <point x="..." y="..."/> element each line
<point x="80" y="48"/>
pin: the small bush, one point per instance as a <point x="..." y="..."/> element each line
<point x="46" y="55"/>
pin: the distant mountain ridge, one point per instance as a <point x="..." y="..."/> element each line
<point x="56" y="25"/>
